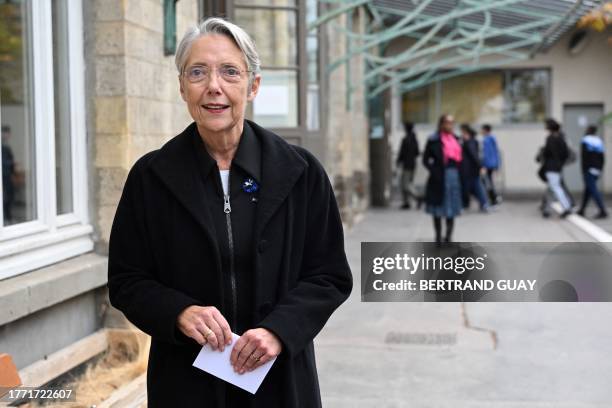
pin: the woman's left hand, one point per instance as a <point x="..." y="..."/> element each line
<point x="254" y="348"/>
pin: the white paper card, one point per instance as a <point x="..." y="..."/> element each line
<point x="218" y="364"/>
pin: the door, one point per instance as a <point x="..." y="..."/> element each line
<point x="576" y="117"/>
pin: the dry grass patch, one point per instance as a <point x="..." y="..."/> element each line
<point x="125" y="359"/>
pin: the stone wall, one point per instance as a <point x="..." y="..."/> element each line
<point x="347" y="128"/>
<point x="133" y="94"/>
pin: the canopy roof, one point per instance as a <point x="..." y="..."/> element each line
<point x="450" y="37"/>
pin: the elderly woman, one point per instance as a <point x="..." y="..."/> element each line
<point x="227" y="228"/>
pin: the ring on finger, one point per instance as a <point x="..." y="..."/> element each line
<point x="255" y="358"/>
<point x="208" y="333"/>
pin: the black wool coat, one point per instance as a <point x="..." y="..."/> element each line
<point x="555" y="153"/>
<point x="433" y="160"/>
<point x="163" y="257"/>
<point x="470" y="165"/>
<point x="408" y="152"/>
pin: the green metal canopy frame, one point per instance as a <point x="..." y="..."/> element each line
<point x="448" y="37"/>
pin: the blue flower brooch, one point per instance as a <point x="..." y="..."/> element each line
<point x="250" y="186"/>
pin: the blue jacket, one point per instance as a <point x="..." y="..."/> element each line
<point x="490" y="154"/>
<point x="592" y="149"/>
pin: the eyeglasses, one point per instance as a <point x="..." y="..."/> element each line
<point x="228" y="73"/>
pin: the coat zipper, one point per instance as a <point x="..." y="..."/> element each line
<point x="227" y="209"/>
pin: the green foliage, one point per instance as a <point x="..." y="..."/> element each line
<point x="11" y="51"/>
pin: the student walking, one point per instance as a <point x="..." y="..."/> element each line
<point x="406" y="161"/>
<point x="442" y="157"/>
<point x="490" y="162"/>
<point x="592" y="160"/>
<point x="553" y="156"/>
<point x="470" y="169"/>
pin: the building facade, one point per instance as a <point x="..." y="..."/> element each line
<point x="88" y="87"/>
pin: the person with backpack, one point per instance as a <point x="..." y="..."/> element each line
<point x="592" y="161"/>
<point x="470" y="169"/>
<point x="554" y="156"/>
<point x="490" y="162"/>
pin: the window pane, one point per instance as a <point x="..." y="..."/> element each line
<point x="526" y="96"/>
<point x="311" y="11"/>
<point x="418" y="106"/>
<point x="274" y="33"/>
<point x="312" y="52"/>
<point x="312" y="49"/>
<point x="290" y="3"/>
<point x="63" y="159"/>
<point x="312" y="103"/>
<point x="312" y="121"/>
<point x="18" y="164"/>
<point x="474" y="98"/>
<point x="276" y="104"/>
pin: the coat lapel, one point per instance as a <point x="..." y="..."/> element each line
<point x="280" y="169"/>
<point x="437" y="146"/>
<point x="176" y="167"/>
<point x="281" y="166"/>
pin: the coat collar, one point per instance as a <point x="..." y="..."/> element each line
<point x="248" y="154"/>
<point x="436" y="136"/>
<point x="247" y="157"/>
<point x="281" y="166"/>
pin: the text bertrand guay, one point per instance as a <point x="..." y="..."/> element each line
<point x="459" y="265"/>
<point x="456" y="285"/>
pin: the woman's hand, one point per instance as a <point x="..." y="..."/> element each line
<point x="205" y="324"/>
<point x="254" y="348"/>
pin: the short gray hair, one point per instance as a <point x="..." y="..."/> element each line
<point x="215" y="25"/>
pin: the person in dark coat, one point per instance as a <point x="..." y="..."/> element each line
<point x="442" y="157"/>
<point x="406" y="162"/>
<point x="553" y="157"/>
<point x="592" y="162"/>
<point x="471" y="168"/>
<point x="227" y="228"/>
<point x="490" y="162"/>
<point x="8" y="174"/>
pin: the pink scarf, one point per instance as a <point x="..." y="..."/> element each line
<point x="451" y="150"/>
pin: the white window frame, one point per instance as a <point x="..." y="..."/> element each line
<point x="50" y="237"/>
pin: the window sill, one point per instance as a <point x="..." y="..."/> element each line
<point x="25" y="254"/>
<point x="33" y="291"/>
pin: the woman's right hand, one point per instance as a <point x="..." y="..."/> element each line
<point x="205" y="324"/>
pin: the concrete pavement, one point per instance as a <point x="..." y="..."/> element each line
<point x="439" y="355"/>
<point x="605" y="224"/>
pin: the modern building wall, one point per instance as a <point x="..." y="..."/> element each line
<point x="584" y="78"/>
<point x="575" y="79"/>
